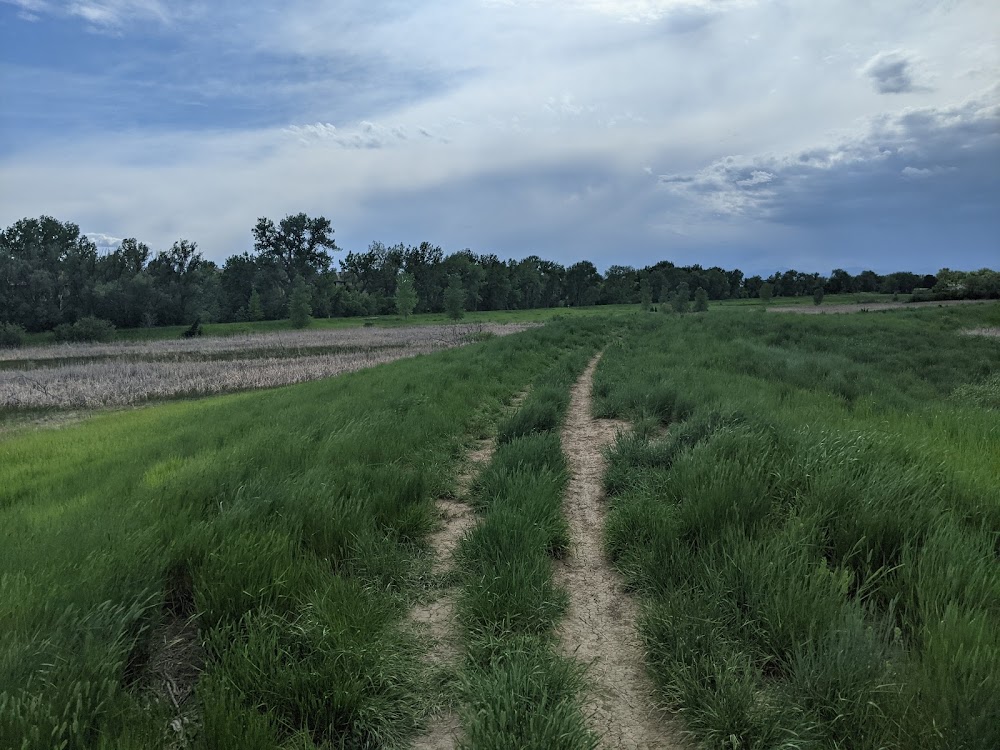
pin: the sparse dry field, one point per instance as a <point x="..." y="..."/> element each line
<point x="122" y="374"/>
<point x="992" y="332"/>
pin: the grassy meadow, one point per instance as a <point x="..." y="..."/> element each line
<point x="807" y="507"/>
<point x="288" y="524"/>
<point x="809" y="510"/>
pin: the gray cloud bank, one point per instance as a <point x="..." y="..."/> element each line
<point x="891" y="73"/>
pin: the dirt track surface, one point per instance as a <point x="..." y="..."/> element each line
<point x="437" y="617"/>
<point x="599" y="628"/>
<point x="871" y="306"/>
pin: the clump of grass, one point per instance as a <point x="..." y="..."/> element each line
<point x="985" y="395"/>
<point x="814" y="536"/>
<point x="525" y="696"/>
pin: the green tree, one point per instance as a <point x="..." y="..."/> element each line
<point x="766" y="292"/>
<point x="299" y="305"/>
<point x="681" y="298"/>
<point x="298" y="245"/>
<point x="255" y="308"/>
<point x="406" y="295"/>
<point x="454" y="298"/>
<point x="700" y="300"/>
<point x="583" y="284"/>
<point x="818" y="296"/>
<point x="645" y="295"/>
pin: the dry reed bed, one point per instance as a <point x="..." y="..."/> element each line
<point x="124" y="381"/>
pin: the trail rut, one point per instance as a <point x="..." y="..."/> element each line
<point x="599" y="628"/>
<point x="437" y="616"/>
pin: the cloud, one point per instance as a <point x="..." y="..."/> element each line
<point x="101" y="15"/>
<point x="504" y="125"/>
<point x="891" y="73"/>
<point x="921" y="164"/>
<point x="104" y="242"/>
<point x="365" y="135"/>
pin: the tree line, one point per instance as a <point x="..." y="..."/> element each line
<point x="52" y="275"/>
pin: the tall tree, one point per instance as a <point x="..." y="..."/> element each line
<point x="47" y="273"/>
<point x="583" y="284"/>
<point x="299" y="244"/>
<point x="454" y="298"/>
<point x="406" y="295"/>
<point x="299" y="304"/>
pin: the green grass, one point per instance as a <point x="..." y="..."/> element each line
<point x="540" y="315"/>
<point x="853" y="298"/>
<point x="518" y="691"/>
<point x="290" y="524"/>
<point x="815" y="535"/>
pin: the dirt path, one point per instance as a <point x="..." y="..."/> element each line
<point x="437" y="617"/>
<point x="599" y="628"/>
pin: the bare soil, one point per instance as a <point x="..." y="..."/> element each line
<point x="175" y="663"/>
<point x="437" y="617"/>
<point x="870" y="306"/>
<point x="599" y="628"/>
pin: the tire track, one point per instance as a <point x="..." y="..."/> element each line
<point x="599" y="628"/>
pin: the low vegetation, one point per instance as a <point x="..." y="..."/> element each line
<point x="519" y="691"/>
<point x="284" y="525"/>
<point x="810" y="511"/>
<point x="806" y="507"/>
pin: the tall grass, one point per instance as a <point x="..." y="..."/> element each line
<point x="518" y="691"/>
<point x="815" y="534"/>
<point x="287" y="524"/>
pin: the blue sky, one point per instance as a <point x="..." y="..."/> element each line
<point x="749" y="133"/>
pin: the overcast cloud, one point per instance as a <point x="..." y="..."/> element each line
<point x="758" y="134"/>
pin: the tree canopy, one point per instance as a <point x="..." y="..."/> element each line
<point x="51" y="274"/>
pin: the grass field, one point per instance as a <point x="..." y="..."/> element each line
<point x="540" y="315"/>
<point x="287" y="523"/>
<point x="807" y="509"/>
<point x="815" y="533"/>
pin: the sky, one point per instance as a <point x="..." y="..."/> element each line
<point x="806" y="134"/>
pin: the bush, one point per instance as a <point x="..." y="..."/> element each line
<point x="700" y="300"/>
<point x="194" y="329"/>
<point x="11" y="335"/>
<point x="85" y="330"/>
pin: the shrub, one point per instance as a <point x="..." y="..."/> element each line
<point x="194" y="329"/>
<point x="681" y="298"/>
<point x="85" y="329"/>
<point x="11" y="335"/>
<point x="700" y="300"/>
<point x="299" y="306"/>
<point x="454" y="299"/>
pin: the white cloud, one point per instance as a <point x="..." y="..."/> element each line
<point x="104" y="242"/>
<point x="100" y="14"/>
<point x="488" y="96"/>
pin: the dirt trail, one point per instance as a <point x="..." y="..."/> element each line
<point x="437" y="617"/>
<point x="599" y="628"/>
